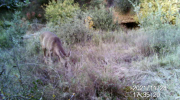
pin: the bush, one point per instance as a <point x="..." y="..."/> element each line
<point x="73" y="31"/>
<point x="103" y="19"/>
<point x="160" y="41"/>
<point x="124" y="6"/>
<point x="95" y="3"/>
<point x="8" y="3"/>
<point x="60" y="11"/>
<point x="11" y="4"/>
<point x="12" y="32"/>
<point x="89" y="23"/>
<point x="157" y="12"/>
<point x="88" y="3"/>
<point x="18" y="80"/>
<point x="33" y="45"/>
<point x="163" y="40"/>
<point x="41" y="2"/>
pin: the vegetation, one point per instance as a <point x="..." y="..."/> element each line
<point x="12" y="31"/>
<point x="60" y="11"/>
<point x="12" y="4"/>
<point x="106" y="62"/>
<point x="103" y="19"/>
<point x="124" y="6"/>
<point x="165" y="11"/>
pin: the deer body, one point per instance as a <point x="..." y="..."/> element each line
<point x="50" y="42"/>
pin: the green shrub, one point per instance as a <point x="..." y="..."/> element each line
<point x="124" y="6"/>
<point x="73" y="31"/>
<point x="5" y="15"/>
<point x="18" y="80"/>
<point x="95" y="3"/>
<point x="89" y="4"/>
<point x="163" y="40"/>
<point x="60" y="11"/>
<point x="3" y="41"/>
<point x="11" y="4"/>
<point x="165" y="10"/>
<point x="160" y="41"/>
<point x="33" y="46"/>
<point x="43" y="1"/>
<point x="13" y="30"/>
<point x="8" y="3"/>
<point x="103" y="19"/>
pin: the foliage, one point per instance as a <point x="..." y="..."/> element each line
<point x="157" y="11"/>
<point x="146" y="56"/>
<point x="8" y="3"/>
<point x="60" y="11"/>
<point x="160" y="41"/>
<point x="34" y="12"/>
<point x="11" y="4"/>
<point x="103" y="19"/>
<point x="95" y="3"/>
<point x="43" y="1"/>
<point x="163" y="40"/>
<point x="5" y="15"/>
<point x="89" y="23"/>
<point x="17" y="82"/>
<point x="13" y="30"/>
<point x="74" y="30"/>
<point x="89" y="4"/>
<point x="124" y="6"/>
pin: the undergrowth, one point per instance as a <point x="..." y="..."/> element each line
<point x="104" y="64"/>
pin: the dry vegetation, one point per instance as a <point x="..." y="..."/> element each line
<point x="107" y="70"/>
<point x="104" y="64"/>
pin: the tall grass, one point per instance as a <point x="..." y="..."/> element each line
<point x="105" y="67"/>
<point x="108" y="70"/>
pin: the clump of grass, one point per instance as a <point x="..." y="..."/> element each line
<point x="165" y="72"/>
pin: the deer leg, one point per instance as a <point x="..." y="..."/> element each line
<point x="59" y="58"/>
<point x="65" y="64"/>
<point x="44" y="49"/>
<point x="49" y="56"/>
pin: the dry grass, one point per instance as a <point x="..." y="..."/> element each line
<point x="105" y="68"/>
<point x="96" y="71"/>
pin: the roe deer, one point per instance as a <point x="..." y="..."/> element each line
<point x="52" y="44"/>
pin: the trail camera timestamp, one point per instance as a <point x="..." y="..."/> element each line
<point x="148" y="88"/>
<point x="146" y="94"/>
<point x="147" y="91"/>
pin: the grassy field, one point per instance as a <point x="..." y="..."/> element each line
<point x="106" y="63"/>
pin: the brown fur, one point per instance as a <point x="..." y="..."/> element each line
<point x="52" y="44"/>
